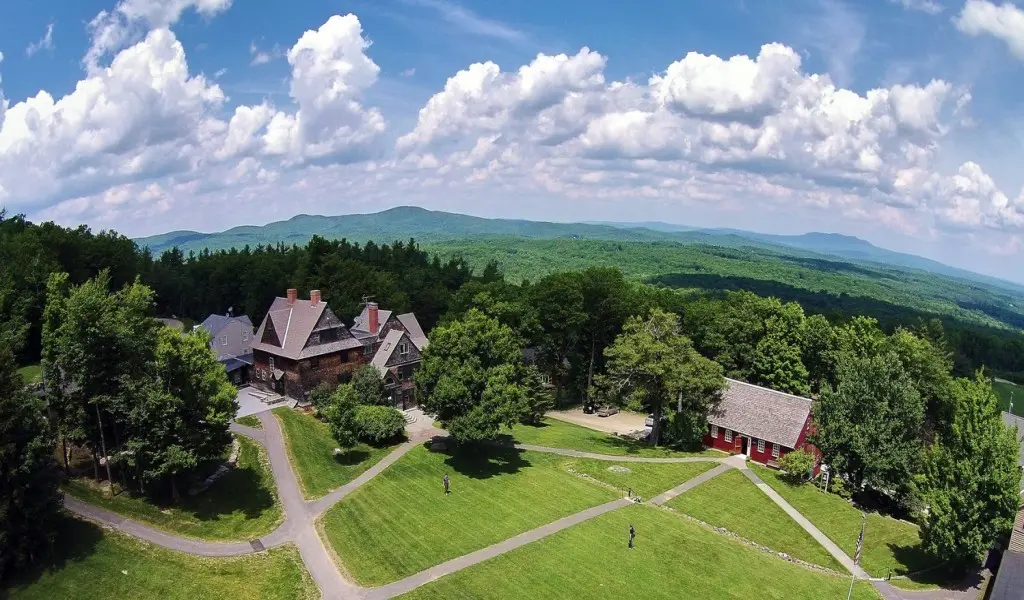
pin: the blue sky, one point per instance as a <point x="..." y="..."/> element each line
<point x="894" y="120"/>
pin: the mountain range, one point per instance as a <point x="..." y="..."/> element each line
<point x="426" y="226"/>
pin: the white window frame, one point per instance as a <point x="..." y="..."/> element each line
<point x="775" y="450"/>
<point x="245" y="336"/>
<point x="403" y="348"/>
<point x="714" y="431"/>
<point x="728" y="436"/>
<point x="224" y="340"/>
<point x="760" y="446"/>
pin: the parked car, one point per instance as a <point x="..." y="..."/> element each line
<point x="607" y="411"/>
<point x="649" y="421"/>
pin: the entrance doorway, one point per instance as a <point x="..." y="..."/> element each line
<point x="744" y="445"/>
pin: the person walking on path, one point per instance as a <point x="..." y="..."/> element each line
<point x="447" y="484"/>
<point x="632" y="534"/>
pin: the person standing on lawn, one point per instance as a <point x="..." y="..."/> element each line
<point x="632" y="534"/>
<point x="447" y="484"/>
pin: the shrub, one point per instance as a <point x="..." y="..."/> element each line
<point x="840" y="488"/>
<point x="320" y="397"/>
<point x="376" y="424"/>
<point x="796" y="465"/>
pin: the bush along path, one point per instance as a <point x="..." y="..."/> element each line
<point x="300" y="523"/>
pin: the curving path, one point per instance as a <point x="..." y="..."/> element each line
<point x="300" y="524"/>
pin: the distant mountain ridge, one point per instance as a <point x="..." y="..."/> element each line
<point x="404" y="222"/>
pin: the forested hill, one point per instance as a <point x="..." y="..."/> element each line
<point x="406" y="222"/>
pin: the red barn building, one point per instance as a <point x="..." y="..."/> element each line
<point x="760" y="423"/>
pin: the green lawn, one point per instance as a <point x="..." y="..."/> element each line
<point x="401" y="522"/>
<point x="311" y="449"/>
<point x="560" y="434"/>
<point x="31" y="373"/>
<point x="732" y="501"/>
<point x="673" y="559"/>
<point x="1005" y="390"/>
<point x="250" y="421"/>
<point x="646" y="479"/>
<point x="242" y="505"/>
<point x="888" y="543"/>
<point x="93" y="563"/>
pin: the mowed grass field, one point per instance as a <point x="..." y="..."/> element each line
<point x="673" y="559"/>
<point x="1007" y="391"/>
<point x="561" y="434"/>
<point x="401" y="522"/>
<point x="93" y="563"/>
<point x="31" y="373"/>
<point x="311" y="450"/>
<point x="645" y="479"/>
<point x="242" y="505"/>
<point x="888" y="543"/>
<point x="732" y="501"/>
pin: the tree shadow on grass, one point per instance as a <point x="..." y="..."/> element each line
<point x="924" y="568"/>
<point x="483" y="461"/>
<point x="352" y="457"/>
<point x="242" y="489"/>
<point x="76" y="541"/>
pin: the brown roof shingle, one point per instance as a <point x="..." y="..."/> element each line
<point x="761" y="413"/>
<point x="293" y="324"/>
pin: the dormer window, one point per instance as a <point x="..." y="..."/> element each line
<point x="403" y="348"/>
<point x="367" y="349"/>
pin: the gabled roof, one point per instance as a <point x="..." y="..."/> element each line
<point x="1010" y="578"/>
<point x="214" y="323"/>
<point x="416" y="335"/>
<point x="761" y="413"/>
<point x="293" y="325"/>
<point x="362" y="322"/>
<point x="387" y="348"/>
<point x="1012" y="421"/>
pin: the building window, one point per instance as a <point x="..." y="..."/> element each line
<point x="728" y="435"/>
<point x="401" y="374"/>
<point x="714" y="431"/>
<point x="775" y="450"/>
<point x="271" y="363"/>
<point x="223" y="340"/>
<point x="314" y="363"/>
<point x="314" y="339"/>
<point x="368" y="350"/>
<point x="760" y="446"/>
<point x="245" y="336"/>
<point x="403" y="348"/>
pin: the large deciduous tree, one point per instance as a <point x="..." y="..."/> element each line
<point x="651" y="362"/>
<point x="473" y="377"/>
<point x="182" y="420"/>
<point x="341" y="416"/>
<point x="29" y="498"/>
<point x="99" y="356"/>
<point x="778" y="363"/>
<point x="868" y="427"/>
<point x="971" y="476"/>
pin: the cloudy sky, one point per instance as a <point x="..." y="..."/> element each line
<point x="898" y="121"/>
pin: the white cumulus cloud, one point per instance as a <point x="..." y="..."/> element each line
<point x="1002" y="21"/>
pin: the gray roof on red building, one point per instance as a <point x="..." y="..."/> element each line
<point x="761" y="413"/>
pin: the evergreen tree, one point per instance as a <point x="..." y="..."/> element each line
<point x="30" y="501"/>
<point x="971" y="476"/>
<point x="652" y="363"/>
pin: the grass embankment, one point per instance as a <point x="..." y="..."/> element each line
<point x="888" y="543"/>
<point x="673" y="558"/>
<point x="250" y="421"/>
<point x="311" y="450"/>
<point x="93" y="563"/>
<point x="560" y="434"/>
<point x="242" y="505"/>
<point x="732" y="501"/>
<point x="401" y="522"/>
<point x="1008" y="391"/>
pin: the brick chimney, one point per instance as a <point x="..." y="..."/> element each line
<point x="372" y="317"/>
<point x="292" y="295"/>
<point x="314" y="297"/>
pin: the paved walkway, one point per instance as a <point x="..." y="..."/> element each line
<point x="809" y="527"/>
<point x="611" y="458"/>
<point x="689" y="485"/>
